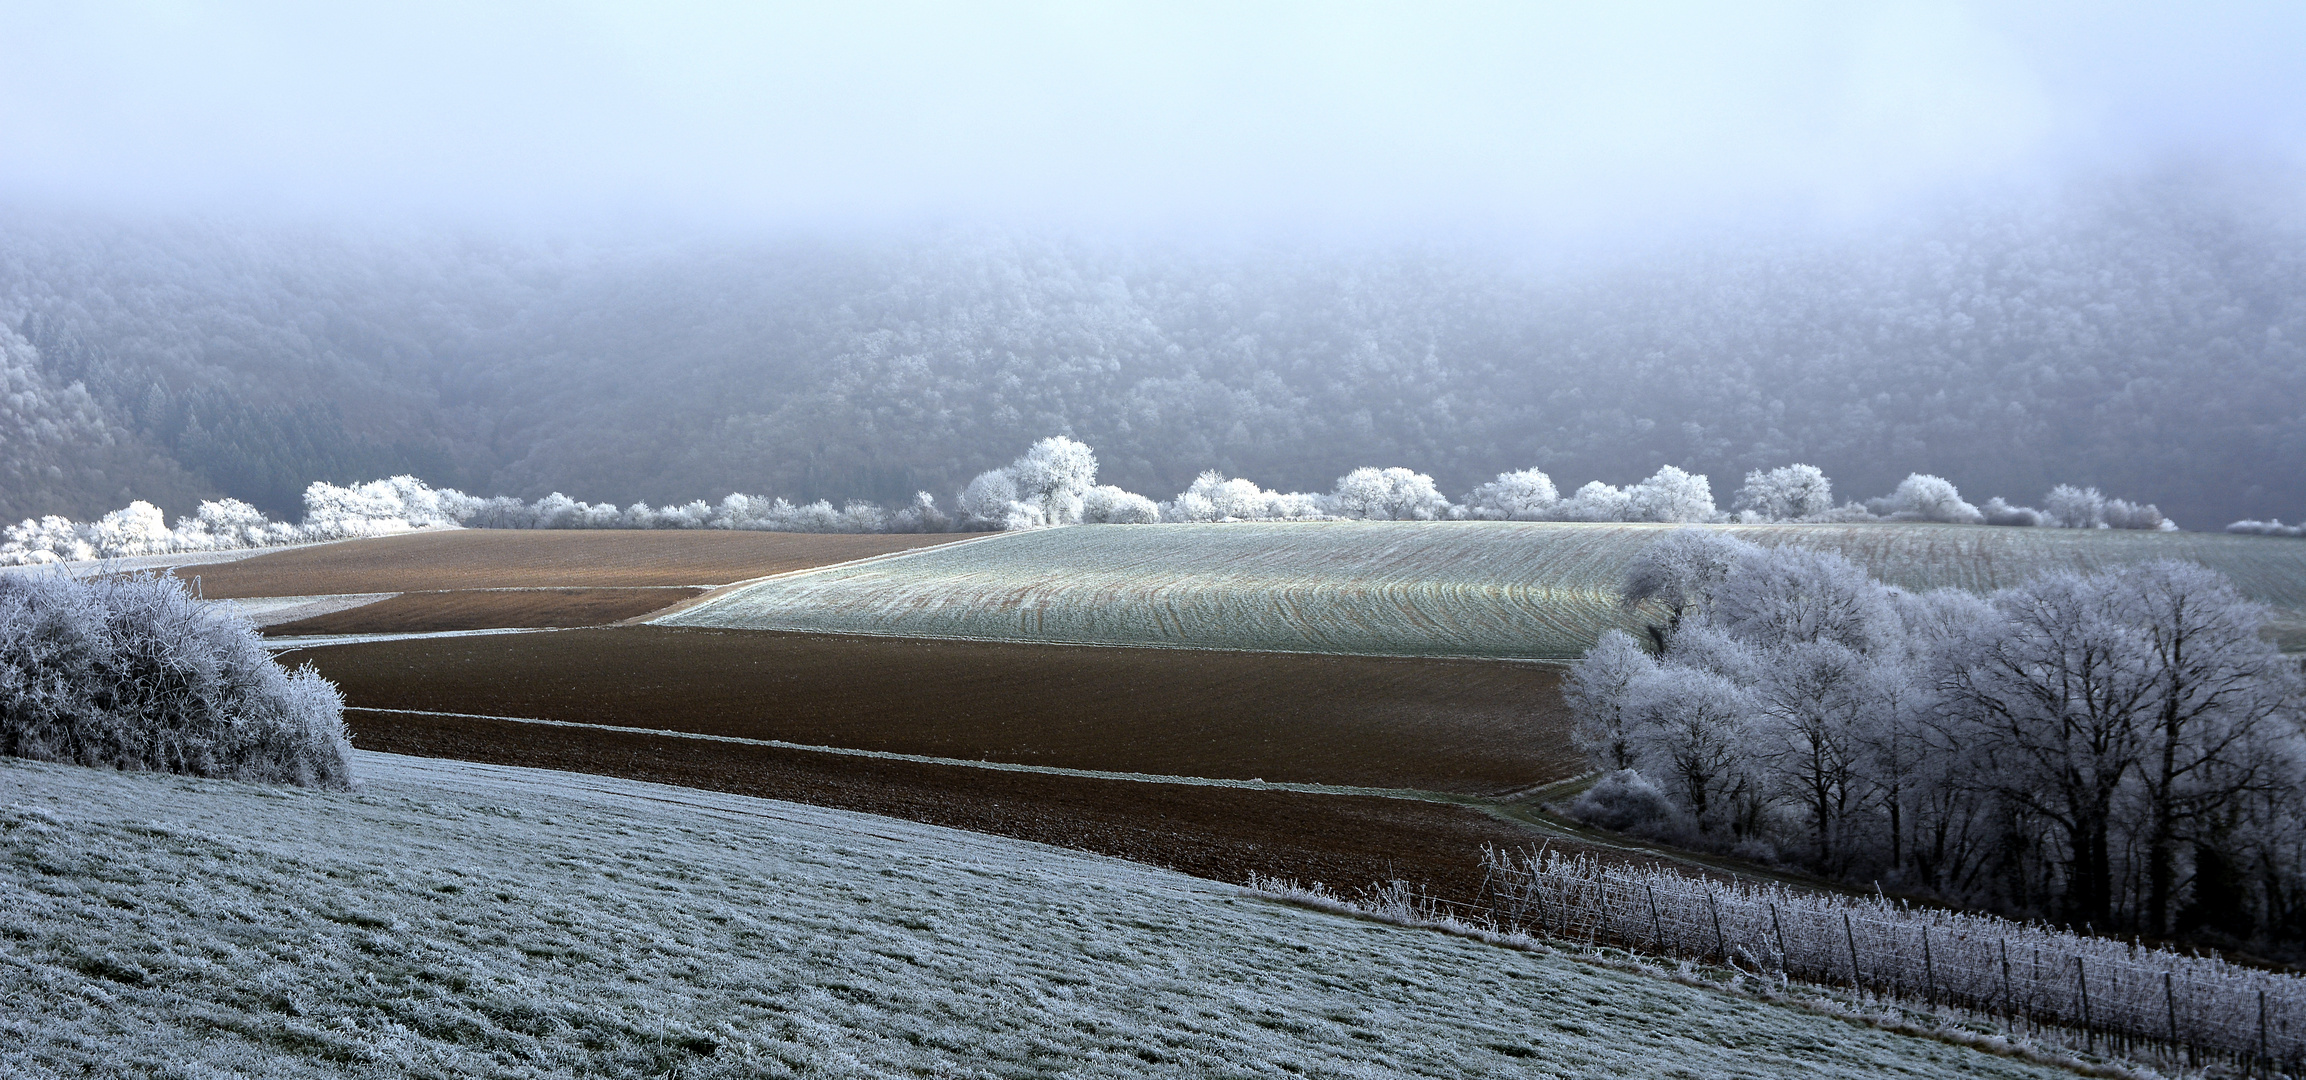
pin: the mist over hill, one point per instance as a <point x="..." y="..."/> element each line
<point x="2147" y="336"/>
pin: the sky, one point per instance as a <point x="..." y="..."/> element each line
<point x="1225" y="116"/>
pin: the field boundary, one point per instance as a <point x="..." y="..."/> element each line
<point x="1406" y="794"/>
<point x="718" y="593"/>
<point x="818" y="631"/>
<point x="291" y="644"/>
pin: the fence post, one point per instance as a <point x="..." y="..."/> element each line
<point x="1720" y="943"/>
<point x="2170" y="999"/>
<point x="1851" y="936"/>
<point x="2262" y="1028"/>
<point x="2089" y="1032"/>
<point x="1656" y="927"/>
<point x="1929" y="973"/>
<point x="2009" y="1003"/>
<point x="1781" y="931"/>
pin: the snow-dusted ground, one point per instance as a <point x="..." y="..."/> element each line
<point x="274" y="610"/>
<point x="457" y="919"/>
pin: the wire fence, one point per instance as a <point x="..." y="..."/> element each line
<point x="2119" y="998"/>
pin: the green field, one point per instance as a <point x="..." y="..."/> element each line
<point x="1541" y="590"/>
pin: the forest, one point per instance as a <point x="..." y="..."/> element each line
<point x="2141" y="336"/>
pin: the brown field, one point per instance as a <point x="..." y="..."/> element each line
<point x="539" y="558"/>
<point x="1467" y="726"/>
<point x="483" y="609"/>
<point x="1219" y="833"/>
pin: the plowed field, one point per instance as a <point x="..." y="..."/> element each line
<point x="1519" y="589"/>
<point x="1219" y="833"/>
<point x="482" y="609"/>
<point x="539" y="558"/>
<point x="1477" y="727"/>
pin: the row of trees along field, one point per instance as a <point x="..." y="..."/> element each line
<point x="2118" y="750"/>
<point x="2145" y="336"/>
<point x="1053" y="483"/>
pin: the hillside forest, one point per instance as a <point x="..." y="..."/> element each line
<point x="2142" y="337"/>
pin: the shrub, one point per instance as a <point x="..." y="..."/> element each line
<point x="131" y="672"/>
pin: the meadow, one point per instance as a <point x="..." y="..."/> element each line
<point x="459" y="919"/>
<point x="1541" y="590"/>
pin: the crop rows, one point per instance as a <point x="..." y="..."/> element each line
<point x="1477" y="589"/>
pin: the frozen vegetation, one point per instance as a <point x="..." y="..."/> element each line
<point x="2120" y="748"/>
<point x="2166" y="1008"/>
<point x="1442" y="588"/>
<point x="476" y="920"/>
<point x="129" y="671"/>
<point x="1055" y="483"/>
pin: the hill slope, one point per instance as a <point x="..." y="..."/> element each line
<point x="472" y="919"/>
<point x="1457" y="588"/>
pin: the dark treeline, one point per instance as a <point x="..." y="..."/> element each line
<point x="2147" y="337"/>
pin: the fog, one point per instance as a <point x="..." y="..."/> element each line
<point x="665" y="253"/>
<point x="1403" y="118"/>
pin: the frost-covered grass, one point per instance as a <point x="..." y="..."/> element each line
<point x="1474" y="588"/>
<point x="455" y="919"/>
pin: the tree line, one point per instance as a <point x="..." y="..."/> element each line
<point x="2120" y="750"/>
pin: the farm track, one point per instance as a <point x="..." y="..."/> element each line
<point x="540" y="558"/>
<point x="486" y="609"/>
<point x="1468" y="589"/>
<point x="1468" y="727"/>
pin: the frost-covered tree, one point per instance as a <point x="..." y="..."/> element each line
<point x="1596" y="691"/>
<point x="1691" y="730"/>
<point x="1671" y="495"/>
<point x="131" y="672"/>
<point x="1681" y="572"/>
<point x="1786" y="493"/>
<point x="1779" y="598"/>
<point x="1526" y="495"/>
<point x="1053" y="476"/>
<point x="1596" y="501"/>
<point x="2071" y="507"/>
<point x="990" y="495"/>
<point x="1394" y="494"/>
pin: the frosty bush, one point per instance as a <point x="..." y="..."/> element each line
<point x="2249" y="527"/>
<point x="131" y="672"/>
<point x="1922" y="497"/>
<point x="1625" y="801"/>
<point x="1998" y="511"/>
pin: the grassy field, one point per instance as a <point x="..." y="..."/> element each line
<point x="454" y="919"/>
<point x="1473" y="589"/>
<point x="1454" y="725"/>
<point x="538" y="558"/>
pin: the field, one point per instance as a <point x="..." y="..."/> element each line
<point x="455" y="919"/>
<point x="478" y="609"/>
<point x="1475" y="727"/>
<point x="1468" y="589"/>
<point x="538" y="559"/>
